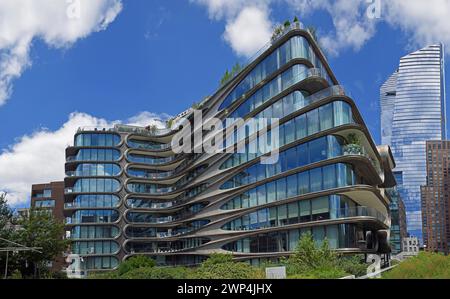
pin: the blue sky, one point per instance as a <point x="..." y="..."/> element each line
<point x="161" y="56"/>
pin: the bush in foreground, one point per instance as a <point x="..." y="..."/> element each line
<point x="222" y="266"/>
<point x="424" y="266"/>
<point x="310" y="261"/>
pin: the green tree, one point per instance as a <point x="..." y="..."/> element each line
<point x="312" y="261"/>
<point x="40" y="230"/>
<point x="136" y="262"/>
<point x="6" y="217"/>
<point x="225" y="78"/>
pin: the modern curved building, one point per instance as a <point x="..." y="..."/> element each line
<point x="128" y="193"/>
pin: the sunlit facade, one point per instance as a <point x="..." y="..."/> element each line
<point x="128" y="193"/>
<point x="412" y="112"/>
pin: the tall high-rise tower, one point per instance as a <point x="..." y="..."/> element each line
<point x="412" y="112"/>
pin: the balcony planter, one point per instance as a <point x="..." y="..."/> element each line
<point x="353" y="149"/>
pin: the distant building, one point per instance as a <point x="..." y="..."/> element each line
<point x="50" y="197"/>
<point x="436" y="198"/>
<point x="398" y="221"/>
<point x="412" y="104"/>
<point x="410" y="246"/>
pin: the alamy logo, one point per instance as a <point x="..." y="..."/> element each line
<point x="258" y="136"/>
<point x="374" y="9"/>
<point x="73" y="10"/>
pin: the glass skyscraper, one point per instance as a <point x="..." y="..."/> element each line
<point x="412" y="112"/>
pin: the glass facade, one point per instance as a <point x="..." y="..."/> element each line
<point x="96" y="170"/>
<point x="414" y="98"/>
<point x="304" y="211"/>
<point x="296" y="47"/>
<point x="315" y="180"/>
<point x="135" y="158"/>
<point x="124" y="198"/>
<point x="94" y="232"/>
<point x="97" y="140"/>
<point x="339" y="236"/>
<point x="94" y="216"/>
<point x="95" y="201"/>
<point x="301" y="155"/>
<point x="95" y="247"/>
<point x="96" y="186"/>
<point x="331" y="115"/>
<point x="96" y="155"/>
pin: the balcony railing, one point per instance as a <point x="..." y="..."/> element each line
<point x="356" y="149"/>
<point x="152" y="131"/>
<point x="142" y="131"/>
<point x="150" y="146"/>
<point x="360" y="211"/>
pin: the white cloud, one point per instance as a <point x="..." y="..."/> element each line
<point x="249" y="32"/>
<point x="352" y="27"/>
<point x="40" y="157"/>
<point x="58" y="23"/>
<point x="248" y="26"/>
<point x="424" y="22"/>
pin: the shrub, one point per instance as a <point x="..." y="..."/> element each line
<point x="424" y="266"/>
<point x="157" y="273"/>
<point x="320" y="262"/>
<point x="222" y="266"/>
<point x="353" y="265"/>
<point x="136" y="262"/>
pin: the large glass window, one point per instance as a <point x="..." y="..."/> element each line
<point x="50" y="203"/>
<point x="95" y="247"/>
<point x="96" y="186"/>
<point x="314" y="180"/>
<point x="95" y="201"/>
<point x="97" y="139"/>
<point x="96" y="170"/>
<point x="94" y="216"/>
<point x="96" y="155"/>
<point x="94" y="232"/>
<point x="101" y="263"/>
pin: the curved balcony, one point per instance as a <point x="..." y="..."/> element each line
<point x="149" y="174"/>
<point x="146" y="145"/>
<point x="142" y="159"/>
<point x="149" y="131"/>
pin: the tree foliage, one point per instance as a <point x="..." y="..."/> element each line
<point x="6" y="217"/>
<point x="136" y="262"/>
<point x="312" y="261"/>
<point x="222" y="266"/>
<point x="40" y="230"/>
<point x="230" y="74"/>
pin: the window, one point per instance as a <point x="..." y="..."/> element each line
<point x="320" y="209"/>
<point x="313" y="122"/>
